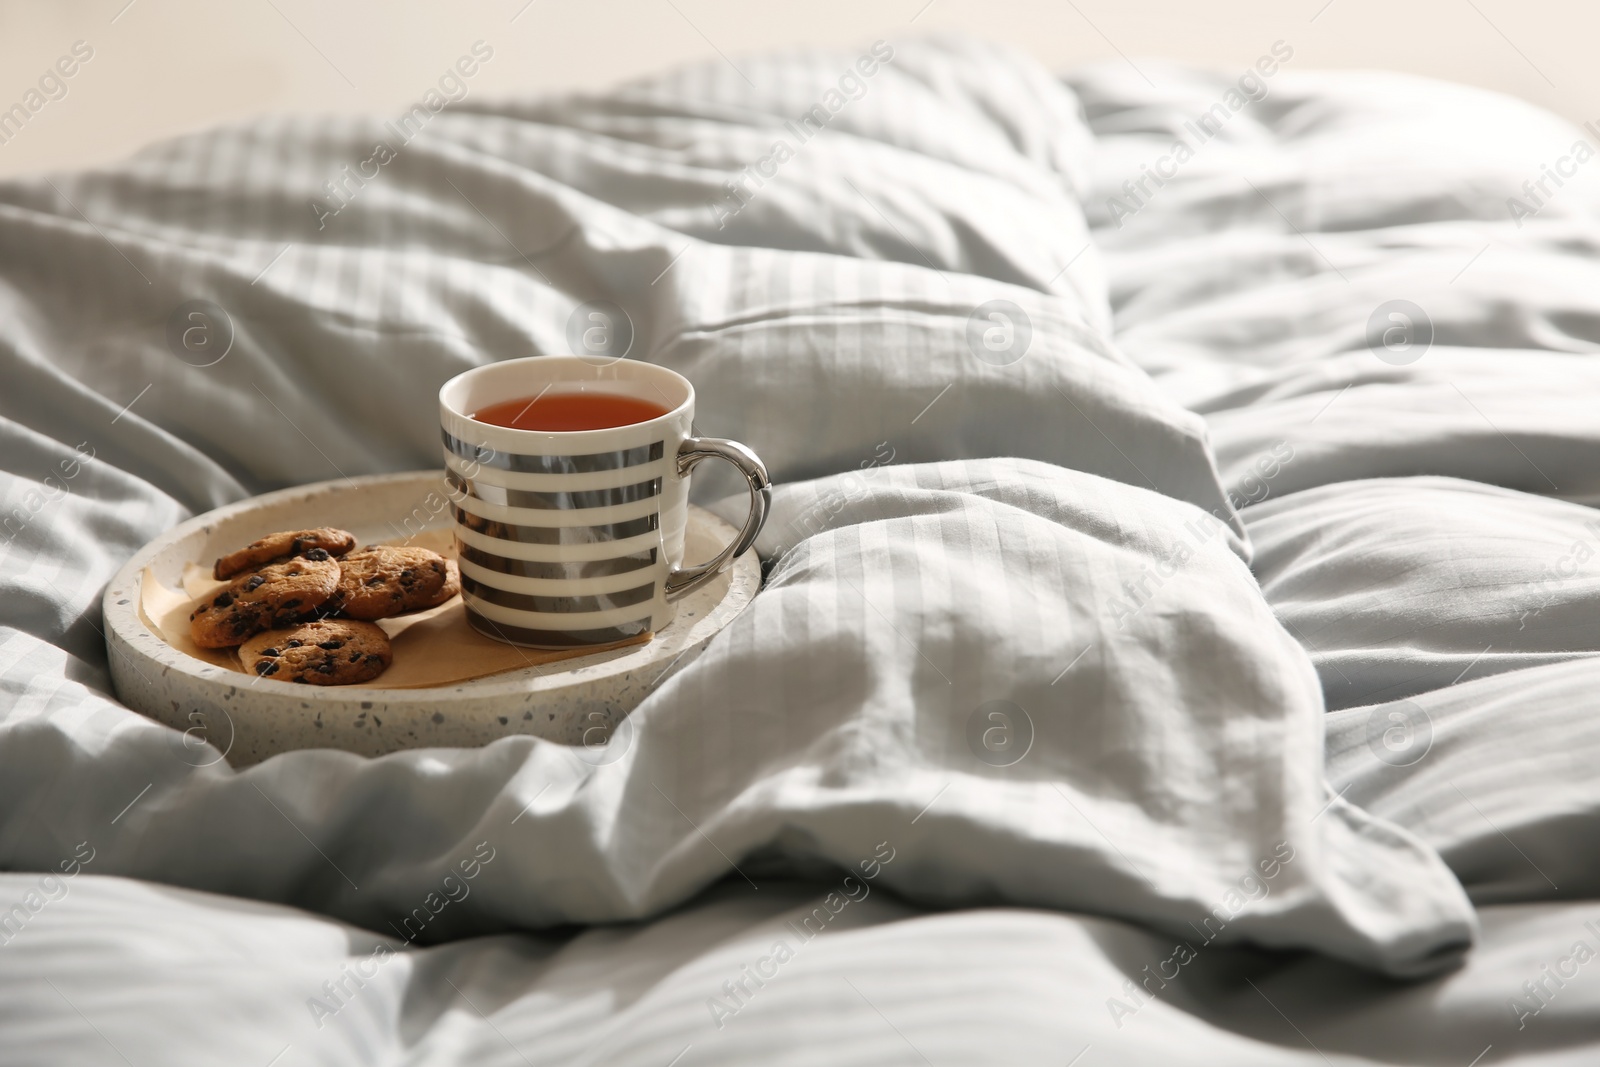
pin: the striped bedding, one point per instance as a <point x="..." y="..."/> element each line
<point x="1161" y="659"/>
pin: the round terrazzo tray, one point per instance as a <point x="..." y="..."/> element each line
<point x="577" y="701"/>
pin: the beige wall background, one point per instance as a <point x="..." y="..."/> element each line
<point x="164" y="67"/>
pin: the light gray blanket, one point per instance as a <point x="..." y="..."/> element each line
<point x="1011" y="654"/>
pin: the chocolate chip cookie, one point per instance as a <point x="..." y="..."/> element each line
<point x="275" y="595"/>
<point x="277" y="547"/>
<point x="384" y="580"/>
<point x="324" y="652"/>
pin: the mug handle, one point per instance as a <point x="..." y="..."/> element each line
<point x="694" y="449"/>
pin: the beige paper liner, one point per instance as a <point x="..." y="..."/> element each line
<point x="431" y="648"/>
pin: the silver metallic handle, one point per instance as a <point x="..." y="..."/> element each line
<point x="690" y="453"/>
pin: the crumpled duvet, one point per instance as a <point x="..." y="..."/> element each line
<point x="1025" y="662"/>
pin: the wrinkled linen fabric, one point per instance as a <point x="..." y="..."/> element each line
<point x="1249" y="285"/>
<point x="1400" y="586"/>
<point x="1498" y="774"/>
<point x="1054" y="536"/>
<point x="179" y="977"/>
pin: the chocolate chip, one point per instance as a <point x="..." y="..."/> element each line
<point x="290" y="603"/>
<point x="294" y="642"/>
<point x="330" y="645"/>
<point x="355" y="656"/>
<point x="374" y="658"/>
<point x="318" y="554"/>
<point x="222" y="600"/>
<point x="266" y="668"/>
<point x="268" y="652"/>
<point x="325" y="667"/>
<point x="374" y="580"/>
<point x="256" y="582"/>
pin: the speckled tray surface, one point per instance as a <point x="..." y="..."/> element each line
<point x="578" y="701"/>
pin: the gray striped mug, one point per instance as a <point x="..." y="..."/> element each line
<point x="575" y="536"/>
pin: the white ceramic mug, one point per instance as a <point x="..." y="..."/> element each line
<point x="570" y="538"/>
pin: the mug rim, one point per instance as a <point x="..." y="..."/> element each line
<point x="568" y="360"/>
